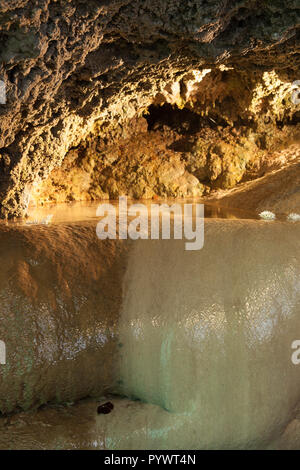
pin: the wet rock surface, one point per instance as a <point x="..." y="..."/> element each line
<point x="150" y="99"/>
<point x="60" y="294"/>
<point x="200" y="342"/>
<point x="76" y="427"/>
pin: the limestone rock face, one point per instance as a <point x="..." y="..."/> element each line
<point x="72" y="67"/>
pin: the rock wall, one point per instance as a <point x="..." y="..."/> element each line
<point x="60" y="294"/>
<point x="199" y="343"/>
<point x="75" y="69"/>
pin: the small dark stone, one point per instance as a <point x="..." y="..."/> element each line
<point x="105" y="409"/>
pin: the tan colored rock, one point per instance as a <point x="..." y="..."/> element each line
<point x="68" y="65"/>
<point x="278" y="191"/>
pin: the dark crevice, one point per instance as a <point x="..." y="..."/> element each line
<point x="183" y="121"/>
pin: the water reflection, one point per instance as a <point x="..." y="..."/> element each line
<point x="83" y="211"/>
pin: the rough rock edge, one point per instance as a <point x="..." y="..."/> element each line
<point x="67" y="64"/>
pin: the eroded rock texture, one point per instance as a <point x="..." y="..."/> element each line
<point x="92" y="87"/>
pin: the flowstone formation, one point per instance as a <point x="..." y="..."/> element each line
<point x="151" y="99"/>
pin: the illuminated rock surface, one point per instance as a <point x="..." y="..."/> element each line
<point x="159" y="99"/>
<point x="203" y="338"/>
<point x="79" y="74"/>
